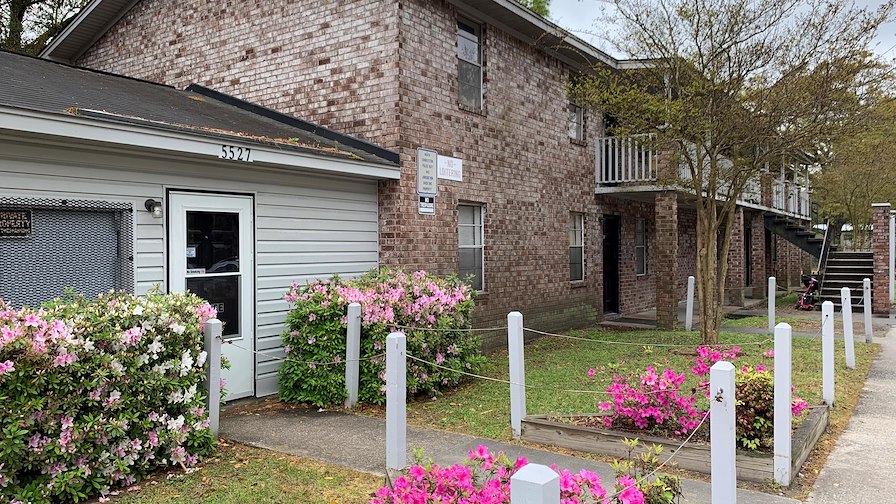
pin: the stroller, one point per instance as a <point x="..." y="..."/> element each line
<point x="806" y="300"/>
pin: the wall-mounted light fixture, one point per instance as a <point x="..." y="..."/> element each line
<point x="154" y="207"/>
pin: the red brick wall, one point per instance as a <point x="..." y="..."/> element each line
<point x="759" y="277"/>
<point x="880" y="249"/>
<point x="666" y="258"/>
<point x="636" y="292"/>
<point x="734" y="280"/>
<point x="687" y="249"/>
<point x="333" y="63"/>
<point x="386" y="71"/>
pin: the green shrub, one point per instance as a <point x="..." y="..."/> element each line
<point x="96" y="393"/>
<point x="432" y="312"/>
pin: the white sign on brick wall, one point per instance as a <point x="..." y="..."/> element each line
<point x="451" y="168"/>
<point x="427" y="185"/>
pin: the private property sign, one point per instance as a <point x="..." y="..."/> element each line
<point x="427" y="185"/>
<point x="15" y="223"/>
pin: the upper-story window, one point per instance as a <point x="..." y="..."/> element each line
<point x="469" y="64"/>
<point x="576" y="122"/>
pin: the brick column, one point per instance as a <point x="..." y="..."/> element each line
<point x="766" y="186"/>
<point x="759" y="279"/>
<point x="734" y="282"/>
<point x="666" y="259"/>
<point x="880" y="249"/>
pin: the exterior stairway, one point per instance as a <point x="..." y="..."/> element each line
<point x="797" y="232"/>
<point x="846" y="269"/>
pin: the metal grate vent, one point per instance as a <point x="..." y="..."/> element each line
<point x="84" y="245"/>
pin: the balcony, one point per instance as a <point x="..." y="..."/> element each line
<point x="623" y="160"/>
<point x="631" y="165"/>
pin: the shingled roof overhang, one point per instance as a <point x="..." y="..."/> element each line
<point x="49" y="99"/>
<point x="99" y="16"/>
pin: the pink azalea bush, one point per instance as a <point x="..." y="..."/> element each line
<point x="96" y="393"/>
<point x="654" y="403"/>
<point x="485" y="479"/>
<point x="390" y="300"/>
<point x="651" y="402"/>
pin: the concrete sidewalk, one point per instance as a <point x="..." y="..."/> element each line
<point x="859" y="469"/>
<point x="358" y="442"/>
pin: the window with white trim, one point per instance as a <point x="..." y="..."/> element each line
<point x="641" y="247"/>
<point x="576" y="247"/>
<point x="470" y="263"/>
<point x="576" y="124"/>
<point x="469" y="64"/>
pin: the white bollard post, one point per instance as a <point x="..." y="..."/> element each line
<point x="212" y="347"/>
<point x="722" y="432"/>
<point x="846" y="310"/>
<point x="783" y="399"/>
<point x="535" y="484"/>
<point x="517" y="372"/>
<point x="689" y="314"/>
<point x="827" y="352"/>
<point x="352" y="355"/>
<point x="771" y="304"/>
<point x="396" y="401"/>
<point x="866" y="305"/>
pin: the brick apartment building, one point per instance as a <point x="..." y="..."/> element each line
<point x="551" y="217"/>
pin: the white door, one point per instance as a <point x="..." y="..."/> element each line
<point x="211" y="254"/>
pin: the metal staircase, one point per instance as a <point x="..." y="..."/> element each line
<point x="796" y="231"/>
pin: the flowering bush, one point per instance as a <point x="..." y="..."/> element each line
<point x="650" y="402"/>
<point x="96" y="393"/>
<point x="485" y="479"/>
<point x="390" y="300"/>
<point x="755" y="396"/>
<point x="755" y="407"/>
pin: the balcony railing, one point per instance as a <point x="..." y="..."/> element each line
<point x="625" y="159"/>
<point x="791" y="198"/>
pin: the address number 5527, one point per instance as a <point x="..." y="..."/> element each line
<point x="235" y="153"/>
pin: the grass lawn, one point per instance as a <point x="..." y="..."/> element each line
<point x="481" y="407"/>
<point x="239" y="474"/>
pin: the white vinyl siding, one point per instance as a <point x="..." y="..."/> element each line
<point x="306" y="226"/>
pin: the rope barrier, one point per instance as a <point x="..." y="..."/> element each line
<point x="634" y="343"/>
<point x="459" y="329"/>
<point x="668" y="459"/>
<point x="288" y="359"/>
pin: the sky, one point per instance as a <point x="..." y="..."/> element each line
<point x="578" y="16"/>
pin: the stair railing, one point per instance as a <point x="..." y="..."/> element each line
<point x="829" y="236"/>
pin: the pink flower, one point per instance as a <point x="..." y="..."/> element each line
<point x="630" y="494"/>
<point x="590" y="372"/>
<point x="312" y="317"/>
<point x="6" y="367"/>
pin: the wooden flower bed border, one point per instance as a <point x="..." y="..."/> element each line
<point x="755" y="467"/>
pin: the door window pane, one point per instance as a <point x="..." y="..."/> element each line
<point x="223" y="293"/>
<point x="213" y="242"/>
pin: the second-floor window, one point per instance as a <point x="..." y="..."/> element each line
<point x="469" y="64"/>
<point x="576" y="122"/>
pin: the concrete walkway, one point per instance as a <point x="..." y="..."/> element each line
<point x="860" y="468"/>
<point x="358" y="442"/>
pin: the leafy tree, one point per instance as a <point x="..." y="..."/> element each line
<point x="861" y="171"/>
<point x="540" y="7"/>
<point x="728" y="88"/>
<point x="27" y="25"/>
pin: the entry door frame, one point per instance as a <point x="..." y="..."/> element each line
<point x="211" y="201"/>
<point x="612" y="230"/>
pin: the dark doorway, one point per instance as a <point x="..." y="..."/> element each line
<point x="748" y="256"/>
<point x="611" y="264"/>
